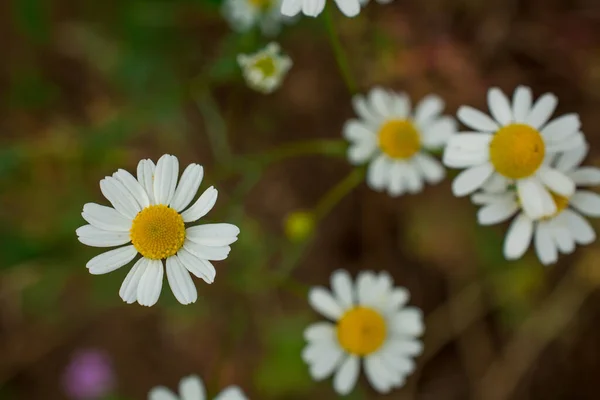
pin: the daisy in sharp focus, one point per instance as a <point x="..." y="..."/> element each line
<point x="242" y="15"/>
<point x="192" y="388"/>
<point x="149" y="216"/>
<point x="372" y="323"/>
<point x="396" y="141"/>
<point x="554" y="234"/>
<point x="264" y="70"/>
<point x="312" y="8"/>
<point x="512" y="147"/>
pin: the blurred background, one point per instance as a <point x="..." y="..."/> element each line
<point x="91" y="86"/>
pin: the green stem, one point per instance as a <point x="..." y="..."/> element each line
<point x="216" y="128"/>
<point x="338" y="192"/>
<point x="340" y="55"/>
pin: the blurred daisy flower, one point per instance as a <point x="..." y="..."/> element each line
<point x="242" y="15"/>
<point x="313" y="8"/>
<point x="149" y="216"/>
<point x="371" y="323"/>
<point x="264" y="70"/>
<point x="553" y="234"/>
<point x="89" y="375"/>
<point x="511" y="148"/>
<point x="397" y="141"/>
<point x="192" y="388"/>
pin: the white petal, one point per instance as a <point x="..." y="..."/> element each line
<point x="133" y="186"/>
<point x="518" y="237"/>
<point x="535" y="199"/>
<point x="486" y="198"/>
<point x="585" y="176"/>
<point x="571" y="159"/>
<point x="320" y="331"/>
<point x="150" y="285"/>
<point x="408" y="322"/>
<point x="365" y="287"/>
<point x="214" y="235"/>
<point x="161" y="393"/>
<point x="180" y="281"/>
<point x="357" y="132"/>
<point x="586" y="202"/>
<point x="165" y="178"/>
<point x="564" y="241"/>
<point x="397" y="180"/>
<point x="191" y="388"/>
<point x="477" y="120"/>
<point x="572" y="142"/>
<point x="414" y="182"/>
<point x="188" y="187"/>
<point x="291" y="8"/>
<point x="231" y="393"/>
<point x="497" y="212"/>
<point x="105" y="218"/>
<point x="312" y="8"/>
<point x="111" y="260"/>
<point x="398" y="297"/>
<point x="343" y="289"/>
<point x="350" y="8"/>
<point x="556" y="181"/>
<point x="207" y="252"/>
<point x="544" y="245"/>
<point x="202" y="269"/>
<point x="541" y="111"/>
<point x="496" y="184"/>
<point x="92" y="236"/>
<point x="471" y="179"/>
<point x="364" y="111"/>
<point x="430" y="168"/>
<point x="582" y="231"/>
<point x="430" y="107"/>
<point x="469" y="142"/>
<point x="377" y="374"/>
<point x="327" y="360"/>
<point x="359" y="153"/>
<point x="202" y="206"/>
<point x="499" y="106"/>
<point x="129" y="287"/>
<point x="346" y="376"/>
<point x="378" y="173"/>
<point x="522" y="99"/>
<point x="119" y="197"/>
<point x="323" y="302"/>
<point x="404" y="347"/>
<point x="145" y="176"/>
<point x="400" y="105"/>
<point x="380" y="102"/>
<point x="437" y="133"/>
<point x="561" y="127"/>
<point x="459" y="159"/>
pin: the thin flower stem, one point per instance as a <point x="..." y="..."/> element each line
<point x="338" y="192"/>
<point x="340" y="55"/>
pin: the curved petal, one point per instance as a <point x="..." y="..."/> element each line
<point x="582" y="231"/>
<point x="477" y="120"/>
<point x="535" y="199"/>
<point x="497" y="212"/>
<point x="320" y="331"/>
<point x="188" y="187"/>
<point x="312" y="8"/>
<point x="347" y="375"/>
<point x="428" y="108"/>
<point x="202" y="269"/>
<point x="471" y="179"/>
<point x="327" y="360"/>
<point x="129" y="287"/>
<point x="119" y="197"/>
<point x="180" y="281"/>
<point x="586" y="176"/>
<point x="561" y="128"/>
<point x="145" y="176"/>
<point x="437" y="133"/>
<point x="202" y="206"/>
<point x="500" y="106"/>
<point x="291" y="8"/>
<point x="586" y="202"/>
<point x="231" y="393"/>
<point x="105" y="218"/>
<point x="556" y="181"/>
<point x="408" y="322"/>
<point x="323" y="302"/>
<point x="165" y="178"/>
<point x="522" y="100"/>
<point x="378" y="173"/>
<point x="343" y="288"/>
<point x="377" y="374"/>
<point x="571" y="159"/>
<point x="213" y="235"/>
<point x="150" y="285"/>
<point x="191" y="388"/>
<point x="92" y="236"/>
<point x="111" y="260"/>
<point x="207" y="252"/>
<point x="518" y="237"/>
<point x="544" y="244"/>
<point x="350" y="8"/>
<point x="133" y="186"/>
<point x="541" y="111"/>
<point x="161" y="393"/>
<point x="430" y="168"/>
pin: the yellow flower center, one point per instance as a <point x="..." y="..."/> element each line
<point x="266" y="65"/>
<point x="261" y="4"/>
<point x="561" y="202"/>
<point x="517" y="151"/>
<point x="361" y="331"/>
<point x="157" y="232"/>
<point x="399" y="139"/>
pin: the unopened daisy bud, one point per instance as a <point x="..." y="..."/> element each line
<point x="299" y="225"/>
<point x="265" y="69"/>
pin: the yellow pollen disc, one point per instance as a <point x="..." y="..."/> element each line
<point x="361" y="331"/>
<point x="399" y="139"/>
<point x="517" y="151"/>
<point x="266" y="65"/>
<point x="157" y="232"/>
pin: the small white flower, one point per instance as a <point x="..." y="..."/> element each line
<point x="512" y="147"/>
<point x="264" y="70"/>
<point x="149" y="217"/>
<point x="397" y="141"/>
<point x="192" y="388"/>
<point x="242" y="15"/>
<point x="372" y="323"/>
<point x="558" y="233"/>
<point x="313" y="8"/>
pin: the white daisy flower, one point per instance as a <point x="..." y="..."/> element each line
<point x="192" y="388"/>
<point x="554" y="234"/>
<point x="397" y="141"/>
<point x="372" y="323"/>
<point x="264" y="70"/>
<point x="242" y="15"/>
<point x="313" y="8"/>
<point x="512" y="147"/>
<point x="150" y="215"/>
